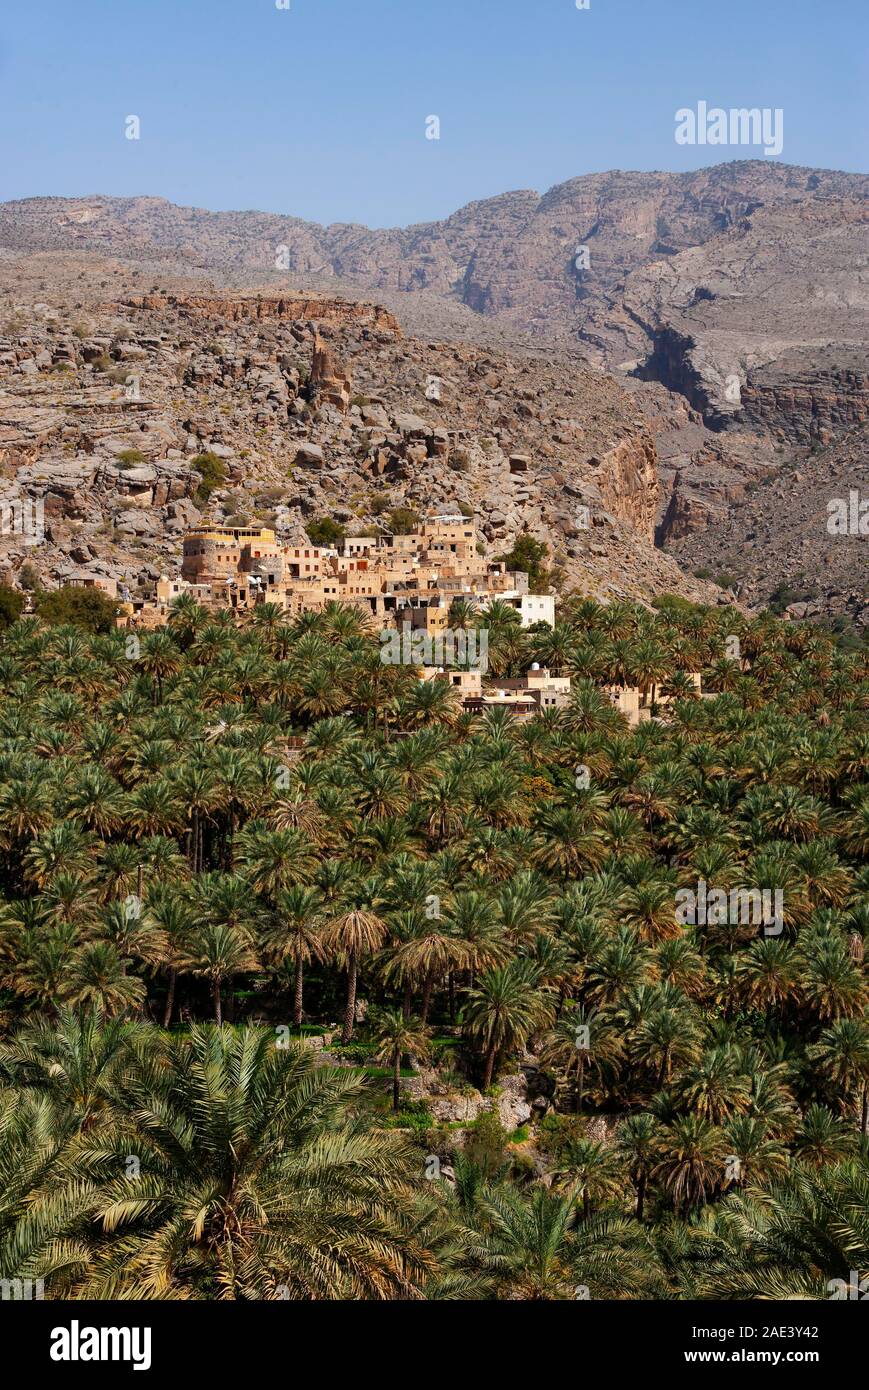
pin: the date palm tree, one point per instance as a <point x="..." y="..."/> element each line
<point x="503" y="1011"/>
<point x="582" y="1041"/>
<point x="217" y="949"/>
<point x="692" y="1163"/>
<point x="255" y="1181"/>
<point x="294" y="932"/>
<point x="98" y="980"/>
<point x="351" y="937"/>
<point x="842" y="1054"/>
<point x="397" y="1037"/>
<point x="159" y="658"/>
<point x="73" y="1061"/>
<point x="536" y="1249"/>
<point x="274" y="860"/>
<point x="40" y="1231"/>
<point x="638" y="1144"/>
<point x="171" y="914"/>
<point x="799" y="1239"/>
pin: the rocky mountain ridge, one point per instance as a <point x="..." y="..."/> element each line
<point x="109" y="405"/>
<point x="730" y="305"/>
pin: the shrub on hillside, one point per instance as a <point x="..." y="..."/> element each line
<point x="87" y="608"/>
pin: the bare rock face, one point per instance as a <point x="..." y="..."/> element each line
<point x="328" y="381"/>
<point x="800" y="536"/>
<point x="258" y="308"/>
<point x="26" y="429"/>
<point x="679" y="345"/>
<point x="808" y="397"/>
<point x="627" y="477"/>
<point x="117" y="443"/>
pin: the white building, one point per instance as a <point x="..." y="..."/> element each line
<point x="535" y="608"/>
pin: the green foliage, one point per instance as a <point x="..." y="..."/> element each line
<point x="403" y="520"/>
<point x="325" y="532"/>
<point x="309" y="831"/>
<point x="786" y="593"/>
<point x="11" y="605"/>
<point x="86" y="608"/>
<point x="487" y="1143"/>
<point x="675" y="603"/>
<point x="529" y="556"/>
<point x="128" y="458"/>
<point x="28" y="576"/>
<point x="213" y="470"/>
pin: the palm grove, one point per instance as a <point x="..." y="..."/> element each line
<point x="255" y="882"/>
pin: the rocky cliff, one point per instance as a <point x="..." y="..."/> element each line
<point x="107" y="406"/>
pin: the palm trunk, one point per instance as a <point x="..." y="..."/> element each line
<point x="452" y="990"/>
<point x="864" y="1124"/>
<point x="218" y="1010"/>
<point x="663" y="1072"/>
<point x="426" y="997"/>
<point x="170" y="997"/>
<point x="350" y="1010"/>
<point x="396" y="1080"/>
<point x="297" y="992"/>
<point x="490" y="1067"/>
<point x="641" y="1195"/>
<point x="408" y="1000"/>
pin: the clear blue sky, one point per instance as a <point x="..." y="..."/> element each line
<point x="319" y="111"/>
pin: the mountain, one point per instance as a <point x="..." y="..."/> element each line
<point x="733" y="236"/>
<point x="730" y="303"/>
<point x="109" y="400"/>
<point x="799" y="538"/>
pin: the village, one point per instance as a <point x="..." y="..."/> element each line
<point x="406" y="584"/>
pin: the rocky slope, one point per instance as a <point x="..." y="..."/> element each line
<point x="315" y="407"/>
<point x="614" y="259"/>
<point x="730" y="303"/>
<point x="800" y="537"/>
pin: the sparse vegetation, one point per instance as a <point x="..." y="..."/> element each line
<point x="213" y="470"/>
<point x="403" y="520"/>
<point x="529" y="555"/>
<point x="325" y="531"/>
